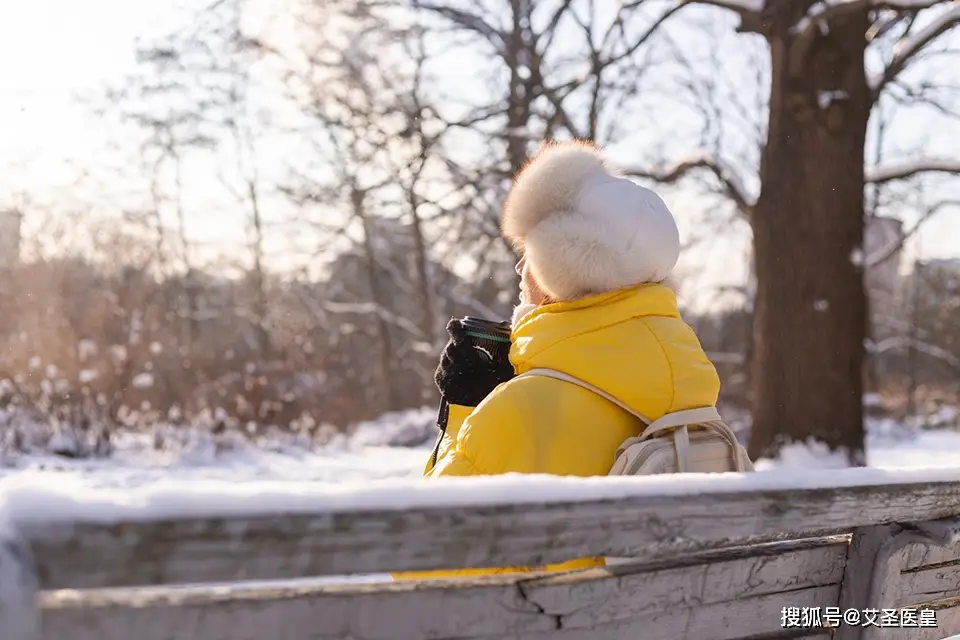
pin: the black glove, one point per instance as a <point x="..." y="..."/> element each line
<point x="464" y="376"/>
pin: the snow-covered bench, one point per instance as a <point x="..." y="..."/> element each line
<point x="764" y="555"/>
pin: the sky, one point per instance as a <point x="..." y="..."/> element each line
<point x="53" y="50"/>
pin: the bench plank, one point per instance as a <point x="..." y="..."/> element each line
<point x="302" y="619"/>
<point x="948" y="625"/>
<point x="731" y="594"/>
<point x="928" y="572"/>
<point x="749" y="618"/>
<point x="919" y="586"/>
<point x="643" y="592"/>
<point x="918" y="556"/>
<point x="191" y="550"/>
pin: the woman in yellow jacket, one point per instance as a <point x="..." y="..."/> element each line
<point x="597" y="251"/>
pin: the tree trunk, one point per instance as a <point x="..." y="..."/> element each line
<point x="809" y="220"/>
<point x="260" y="306"/>
<point x="421" y="261"/>
<point x="520" y="96"/>
<point x="191" y="329"/>
<point x="386" y="367"/>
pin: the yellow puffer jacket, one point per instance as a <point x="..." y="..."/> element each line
<point x="631" y="343"/>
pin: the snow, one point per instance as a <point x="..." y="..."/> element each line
<point x="805" y="455"/>
<point x="753" y="6"/>
<point x="827" y="98"/>
<point x="86" y="349"/>
<point x="362" y="470"/>
<point x="64" y="444"/>
<point x="905" y="169"/>
<point x="401" y="429"/>
<point x="821" y="12"/>
<point x="395" y="445"/>
<point x="44" y="499"/>
<point x="817" y="13"/>
<point x="905" y="5"/>
<point x="392" y="447"/>
<point x="947" y="415"/>
<point x="118" y="352"/>
<point x="142" y="381"/>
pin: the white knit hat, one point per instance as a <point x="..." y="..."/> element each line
<point x="585" y="229"/>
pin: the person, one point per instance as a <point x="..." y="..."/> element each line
<point x="596" y="302"/>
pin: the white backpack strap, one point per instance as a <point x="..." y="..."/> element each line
<point x="680" y="419"/>
<point x="681" y="442"/>
<point x="560" y="375"/>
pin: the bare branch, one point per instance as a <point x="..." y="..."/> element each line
<point x="821" y="14"/>
<point x="732" y="183"/>
<point x="551" y="27"/>
<point x="639" y="42"/>
<point x="375" y="308"/>
<point x="909" y="45"/>
<point x="944" y="98"/>
<point x="827" y="10"/>
<point x="903" y="342"/>
<point x="887" y="252"/>
<point x="749" y="8"/>
<point x="903" y="170"/>
<point x="466" y="20"/>
<point x="561" y="112"/>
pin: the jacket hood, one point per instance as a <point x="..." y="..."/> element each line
<point x="617" y="341"/>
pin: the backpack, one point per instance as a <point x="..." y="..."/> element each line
<point x="701" y="442"/>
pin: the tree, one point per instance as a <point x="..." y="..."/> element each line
<point x="553" y="68"/>
<point x="807" y="220"/>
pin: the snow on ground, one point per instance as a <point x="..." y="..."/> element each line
<point x="889" y="445"/>
<point x="396" y="445"/>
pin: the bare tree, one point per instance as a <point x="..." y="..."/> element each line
<point x="808" y="218"/>
<point x="554" y="68"/>
<point x="367" y="129"/>
<point x="563" y="70"/>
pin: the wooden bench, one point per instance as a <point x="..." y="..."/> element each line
<point x="752" y="556"/>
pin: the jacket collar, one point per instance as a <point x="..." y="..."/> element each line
<point x="550" y="324"/>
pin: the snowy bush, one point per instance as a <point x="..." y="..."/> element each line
<point x="412" y="428"/>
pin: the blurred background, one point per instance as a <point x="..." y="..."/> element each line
<point x="252" y="219"/>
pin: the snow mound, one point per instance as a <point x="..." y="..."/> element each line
<point x="805" y="455"/>
<point x="387" y="447"/>
<point x="889" y="444"/>
<point x="41" y="499"/>
<point x="410" y="428"/>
